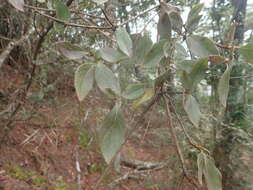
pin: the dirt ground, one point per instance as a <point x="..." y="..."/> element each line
<point x="50" y="137"/>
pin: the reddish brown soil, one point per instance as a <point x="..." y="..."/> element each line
<point x="45" y="147"/>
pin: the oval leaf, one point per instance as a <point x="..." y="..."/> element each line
<point x="247" y="52"/>
<point x="62" y="11"/>
<point x="176" y="21"/>
<point x="149" y="93"/>
<point x="70" y="51"/>
<point x="164" y="26"/>
<point x="198" y="71"/>
<point x="223" y="86"/>
<point x="84" y="79"/>
<point x="111" y="134"/>
<point x="111" y="55"/>
<point x="201" y="46"/>
<point x="142" y="46"/>
<point x="191" y="107"/>
<point x="133" y="91"/>
<point x="155" y="55"/>
<point x="212" y="175"/>
<point x="106" y="80"/>
<point x="194" y="18"/>
<point x="100" y="1"/>
<point x="18" y="4"/>
<point x="124" y="41"/>
<point x="201" y="165"/>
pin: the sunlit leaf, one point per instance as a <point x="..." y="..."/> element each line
<point x="223" y="86"/>
<point x="201" y="165"/>
<point x="133" y="91"/>
<point x="124" y="41"/>
<point x="111" y="134"/>
<point x="149" y="93"/>
<point x="18" y="4"/>
<point x="191" y="107"/>
<point x="247" y="52"/>
<point x="106" y="80"/>
<point x="84" y="79"/>
<point x="201" y="46"/>
<point x="100" y="1"/>
<point x="70" y="51"/>
<point x="212" y="174"/>
<point x="111" y="55"/>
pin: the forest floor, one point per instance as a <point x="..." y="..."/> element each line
<point x="50" y="136"/>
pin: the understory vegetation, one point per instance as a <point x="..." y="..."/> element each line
<point x="126" y="94"/>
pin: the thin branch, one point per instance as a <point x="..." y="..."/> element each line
<point x="71" y="10"/>
<point x="107" y="18"/>
<point x="135" y="17"/>
<point x="227" y="46"/>
<point x="178" y="149"/>
<point x="66" y="23"/>
<point x="5" y="54"/>
<point x="189" y="139"/>
<point x="8" y="127"/>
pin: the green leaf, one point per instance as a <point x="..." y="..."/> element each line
<point x="195" y="10"/>
<point x="186" y="80"/>
<point x="201" y="46"/>
<point x="164" y="26"/>
<point x="181" y="53"/>
<point x="194" y="18"/>
<point x="106" y="80"/>
<point x="155" y="55"/>
<point x="247" y="52"/>
<point x="193" y="23"/>
<point x="149" y="93"/>
<point x="111" y="134"/>
<point x="18" y="4"/>
<point x="223" y="86"/>
<point x="70" y="51"/>
<point x="176" y="21"/>
<point x="124" y="41"/>
<point x="201" y="165"/>
<point x="196" y="74"/>
<point x="186" y="65"/>
<point x="62" y="11"/>
<point x="133" y="91"/>
<point x="84" y="79"/>
<point x="198" y="71"/>
<point x="141" y="48"/>
<point x="100" y="1"/>
<point x="169" y="19"/>
<point x="191" y="107"/>
<point x="111" y="55"/>
<point x="212" y="175"/>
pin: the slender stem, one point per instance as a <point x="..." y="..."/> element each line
<point x="178" y="149"/>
